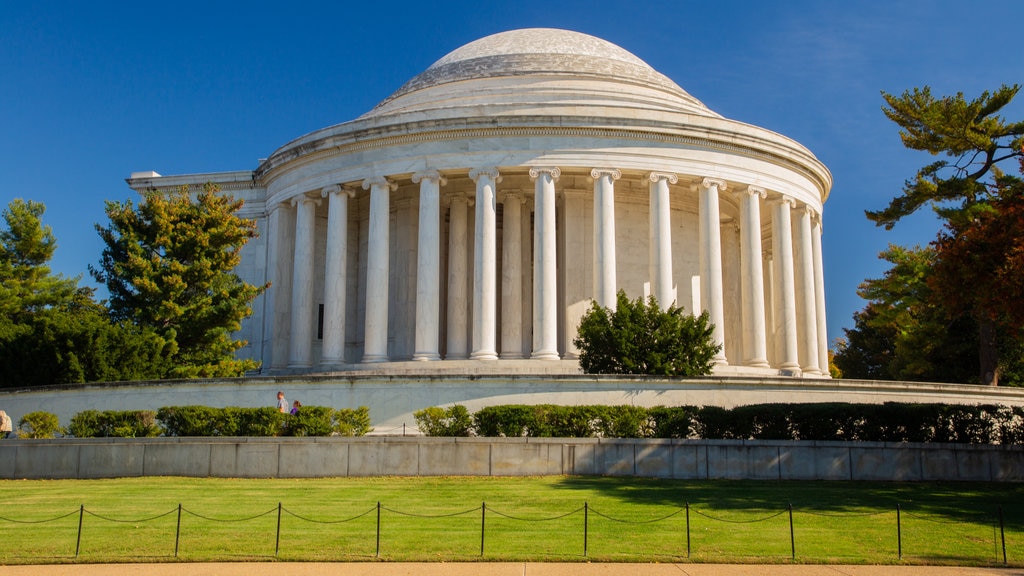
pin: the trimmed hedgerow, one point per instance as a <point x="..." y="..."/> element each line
<point x="114" y="424"/>
<point x="263" y="421"/>
<point x="837" y="421"/>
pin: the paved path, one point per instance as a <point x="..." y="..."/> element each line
<point x="490" y="569"/>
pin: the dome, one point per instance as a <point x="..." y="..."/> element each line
<point x="539" y="67"/>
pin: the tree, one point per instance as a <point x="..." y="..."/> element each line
<point x="903" y="334"/>
<point x="978" y="140"/>
<point x="168" y="265"/>
<point x="51" y="330"/>
<point x="640" y="338"/>
<point x="985" y="252"/>
<point x="26" y="247"/>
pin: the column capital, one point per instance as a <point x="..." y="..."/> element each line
<point x="490" y="172"/>
<point x="512" y="196"/>
<point x="657" y="176"/>
<point x="783" y="199"/>
<point x="752" y="191"/>
<point x="379" y="181"/>
<point x="335" y="189"/>
<point x="714" y="183"/>
<point x="806" y="208"/>
<point x="614" y="173"/>
<point x="303" y="198"/>
<point x="429" y="175"/>
<point x="552" y="171"/>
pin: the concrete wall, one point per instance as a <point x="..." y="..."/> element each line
<point x="392" y="399"/>
<point x="421" y="456"/>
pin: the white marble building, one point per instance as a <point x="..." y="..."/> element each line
<point x="471" y="217"/>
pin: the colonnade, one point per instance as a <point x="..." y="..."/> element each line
<point x="781" y="317"/>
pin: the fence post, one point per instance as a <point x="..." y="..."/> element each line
<point x="177" y="532"/>
<point x="687" y="529"/>
<point x="78" y="542"/>
<point x="792" y="539"/>
<point x="483" y="521"/>
<point x="586" y="514"/>
<point x="378" y="529"/>
<point x="899" y="533"/>
<point x="1002" y="532"/>
<point x="277" y="539"/>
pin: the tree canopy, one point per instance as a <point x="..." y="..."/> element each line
<point x="51" y="330"/>
<point x="638" y="337"/>
<point x="975" y="269"/>
<point x="168" y="264"/>
<point x="969" y="131"/>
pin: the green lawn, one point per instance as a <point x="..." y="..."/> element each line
<point x="521" y="519"/>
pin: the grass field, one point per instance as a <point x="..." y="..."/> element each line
<point x="511" y="519"/>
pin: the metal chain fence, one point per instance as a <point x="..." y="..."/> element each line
<point x="900" y="516"/>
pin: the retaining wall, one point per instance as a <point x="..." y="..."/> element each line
<point x="423" y="456"/>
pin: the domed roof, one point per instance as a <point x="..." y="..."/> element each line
<point x="615" y="74"/>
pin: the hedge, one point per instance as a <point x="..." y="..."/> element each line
<point x="889" y="422"/>
<point x="207" y="421"/>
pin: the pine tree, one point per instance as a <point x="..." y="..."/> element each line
<point x="961" y="190"/>
<point x="169" y="264"/>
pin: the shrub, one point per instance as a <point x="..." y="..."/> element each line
<point x="352" y="421"/>
<point x="452" y="421"/>
<point x="638" y="337"/>
<point x="39" y="425"/>
<point x="310" y="421"/>
<point x="117" y="424"/>
<point x="671" y="422"/>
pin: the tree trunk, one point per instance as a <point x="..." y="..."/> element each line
<point x="988" y="352"/>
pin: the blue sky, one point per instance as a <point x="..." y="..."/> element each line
<point x="92" y="91"/>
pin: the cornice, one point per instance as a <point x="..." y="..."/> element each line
<point x="793" y="157"/>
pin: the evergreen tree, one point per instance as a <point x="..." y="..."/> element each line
<point x="169" y="265"/>
<point x="640" y="338"/>
<point x="51" y="330"/>
<point x="961" y="191"/>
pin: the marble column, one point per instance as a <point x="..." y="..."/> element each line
<point x="485" y="265"/>
<point x="428" y="266"/>
<point x="807" y="311"/>
<point x="711" y="287"/>
<point x="277" y="319"/>
<point x="819" y="297"/>
<point x="511" y="276"/>
<point x="755" y="345"/>
<point x="660" y="237"/>
<point x="300" y="346"/>
<point x="605" y="287"/>
<point x="784" y="288"/>
<point x="378" y="254"/>
<point x="545" y="252"/>
<point x="335" y="275"/>
<point x="458" y="268"/>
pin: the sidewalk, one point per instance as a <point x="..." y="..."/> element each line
<point x="492" y="569"/>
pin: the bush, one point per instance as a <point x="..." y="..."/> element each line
<point x="638" y="337"/>
<point x="352" y="421"/>
<point x="310" y="421"/>
<point x="114" y="424"/>
<point x="39" y="425"/>
<point x="452" y="421"/>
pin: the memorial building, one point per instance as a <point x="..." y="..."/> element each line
<point x="471" y="218"/>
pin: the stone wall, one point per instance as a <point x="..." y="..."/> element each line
<point x="421" y="456"/>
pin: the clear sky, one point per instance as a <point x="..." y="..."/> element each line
<point x="92" y="91"/>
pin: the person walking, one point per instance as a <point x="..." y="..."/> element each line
<point x="282" y="404"/>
